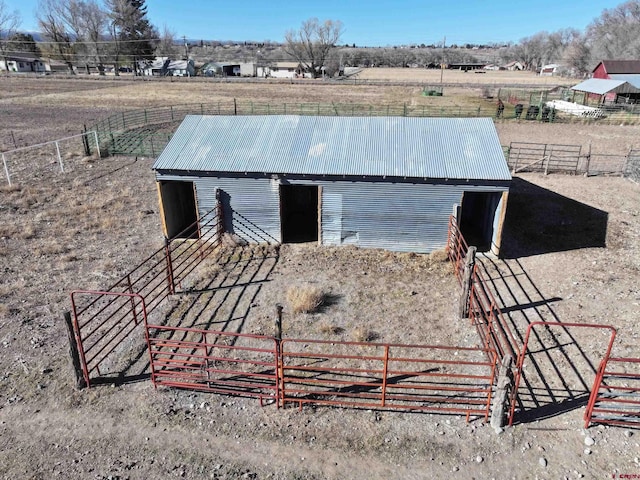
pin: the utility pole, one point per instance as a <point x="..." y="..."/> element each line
<point x="444" y="41"/>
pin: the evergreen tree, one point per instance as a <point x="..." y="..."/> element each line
<point x="136" y="36"/>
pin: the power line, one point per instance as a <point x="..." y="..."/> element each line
<point x="101" y="42"/>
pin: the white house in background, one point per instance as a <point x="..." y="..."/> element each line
<point x="550" y="70"/>
<point x="157" y="67"/>
<point x="164" y="66"/>
<point x="283" y="70"/>
<point x="24" y="64"/>
<point x="491" y="66"/>
<point x="181" y="68"/>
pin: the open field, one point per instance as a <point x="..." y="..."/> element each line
<point x="572" y="246"/>
<point x="485" y="77"/>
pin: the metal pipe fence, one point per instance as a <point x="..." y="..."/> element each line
<point x="615" y="398"/>
<point x="437" y="379"/>
<point x="554" y="158"/>
<point x="103" y="320"/>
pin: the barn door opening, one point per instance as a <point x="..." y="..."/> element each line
<point x="477" y="218"/>
<point x="178" y="209"/>
<point x="299" y="213"/>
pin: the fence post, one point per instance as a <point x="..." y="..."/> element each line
<point x="97" y="144"/>
<point x="6" y="169"/>
<point x="220" y="215"/>
<point x="235" y="107"/>
<point x="167" y="255"/>
<point x="280" y="386"/>
<point x="588" y="160"/>
<point x="278" y="323"/>
<point x="73" y="352"/>
<point x="59" y="157"/>
<point x="385" y="370"/>
<point x="504" y="385"/>
<point x="467" y="279"/>
<point x="85" y="141"/>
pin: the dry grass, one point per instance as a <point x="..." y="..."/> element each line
<point x="330" y="329"/>
<point x="364" y="334"/>
<point x="305" y="298"/>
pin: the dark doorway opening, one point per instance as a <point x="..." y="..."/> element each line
<point x="179" y="209"/>
<point x="477" y="218"/>
<point x="299" y="213"/>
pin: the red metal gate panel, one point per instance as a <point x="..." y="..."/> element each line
<point x="104" y="321"/>
<point x="410" y="377"/>
<point x="615" y="399"/>
<point x="220" y="362"/>
<point x="523" y="353"/>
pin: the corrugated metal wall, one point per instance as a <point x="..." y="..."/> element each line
<point x="394" y="216"/>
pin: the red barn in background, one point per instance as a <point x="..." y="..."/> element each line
<point x="607" y="69"/>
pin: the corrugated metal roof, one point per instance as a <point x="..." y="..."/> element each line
<point x="442" y="148"/>
<point x="633" y="79"/>
<point x="601" y="86"/>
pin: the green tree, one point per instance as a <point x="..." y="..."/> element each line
<point x="136" y="37"/>
<point x="24" y="43"/>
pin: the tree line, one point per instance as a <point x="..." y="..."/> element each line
<point x="117" y="32"/>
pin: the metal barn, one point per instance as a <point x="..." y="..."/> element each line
<point x="373" y="182"/>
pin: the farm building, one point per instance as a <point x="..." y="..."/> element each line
<point x="625" y="70"/>
<point x="375" y="182"/>
<point x="23" y="64"/>
<point x="607" y="91"/>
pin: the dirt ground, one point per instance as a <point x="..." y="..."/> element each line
<point x="571" y="254"/>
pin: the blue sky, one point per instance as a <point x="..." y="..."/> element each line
<point x="372" y="23"/>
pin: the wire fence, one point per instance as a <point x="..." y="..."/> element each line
<point x="43" y="160"/>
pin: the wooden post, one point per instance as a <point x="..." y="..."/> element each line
<point x="220" y="215"/>
<point x="500" y="405"/>
<point x="278" y="323"/>
<point x="467" y="279"/>
<point x="588" y="161"/>
<point x="73" y="352"/>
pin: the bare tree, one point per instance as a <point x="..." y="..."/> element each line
<point x="615" y="35"/>
<point x="53" y="19"/>
<point x="92" y="28"/>
<point x="577" y="56"/>
<point x="9" y="22"/>
<point x="166" y="45"/>
<point x="310" y="46"/>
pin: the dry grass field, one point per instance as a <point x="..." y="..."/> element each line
<point x="484" y="77"/>
<point x="573" y="248"/>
